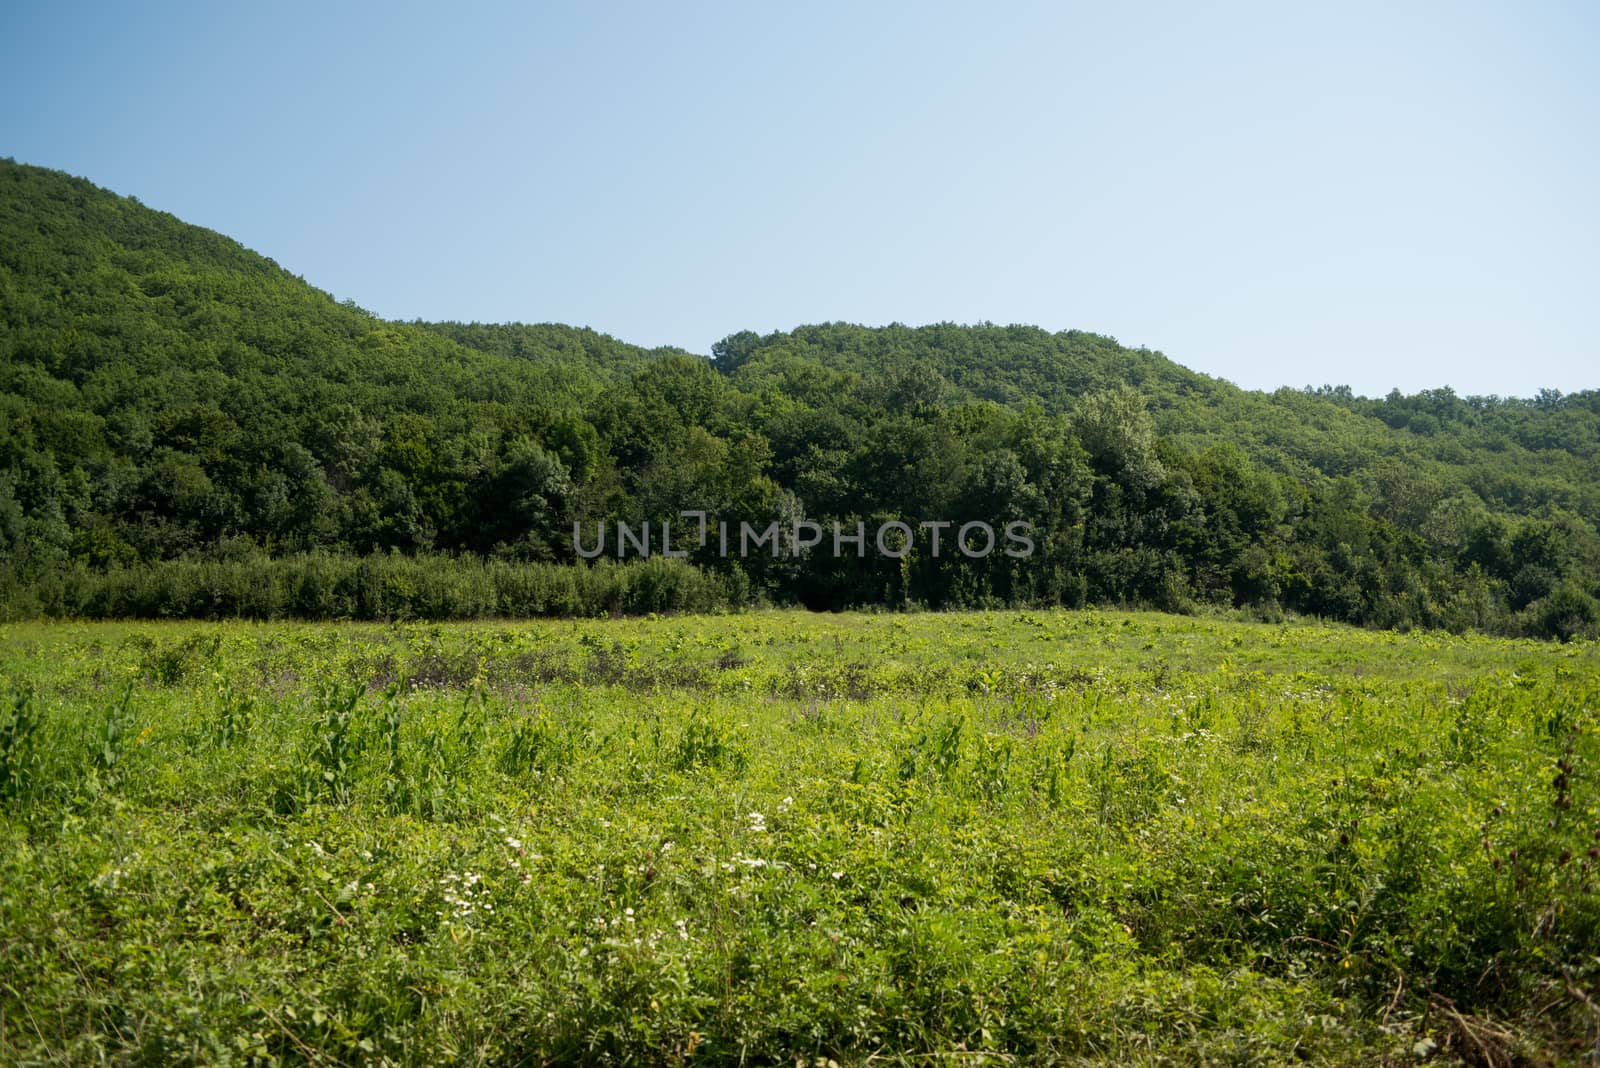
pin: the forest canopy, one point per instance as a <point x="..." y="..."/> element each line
<point x="172" y="402"/>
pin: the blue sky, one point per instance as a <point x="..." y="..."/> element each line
<point x="1384" y="195"/>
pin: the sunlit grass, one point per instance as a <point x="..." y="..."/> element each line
<point x="1057" y="836"/>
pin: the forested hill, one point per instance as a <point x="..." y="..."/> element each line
<point x="168" y="395"/>
<point x="1519" y="455"/>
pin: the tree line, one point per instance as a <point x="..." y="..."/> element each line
<point x="171" y="403"/>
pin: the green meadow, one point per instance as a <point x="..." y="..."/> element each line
<point x="785" y="838"/>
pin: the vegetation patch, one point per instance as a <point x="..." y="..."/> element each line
<point x="1035" y="837"/>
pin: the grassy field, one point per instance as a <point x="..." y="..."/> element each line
<point x="788" y="838"/>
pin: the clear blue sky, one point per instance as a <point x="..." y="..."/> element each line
<point x="1379" y="194"/>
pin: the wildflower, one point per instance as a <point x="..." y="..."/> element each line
<point x="463" y="894"/>
<point x="758" y="822"/>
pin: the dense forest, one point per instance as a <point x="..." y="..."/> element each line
<point x="188" y="429"/>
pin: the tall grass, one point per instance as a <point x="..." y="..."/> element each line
<point x="981" y="838"/>
<point x="382" y="588"/>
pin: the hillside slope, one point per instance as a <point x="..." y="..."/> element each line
<point x="166" y="393"/>
<point x="1520" y="455"/>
